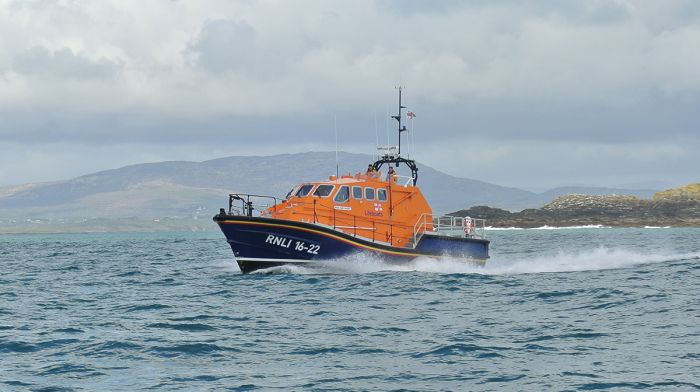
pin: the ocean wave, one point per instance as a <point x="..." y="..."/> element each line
<point x="635" y="385"/>
<point x="84" y="370"/>
<point x="25" y="347"/>
<point x="209" y="317"/>
<point x="547" y="227"/>
<point x="112" y="346"/>
<point x="68" y="330"/>
<point x="137" y="308"/>
<point x="186" y="327"/>
<point x="574" y="336"/>
<point x="457" y="349"/>
<point x="601" y="258"/>
<point x="318" y="350"/>
<point x="190" y="349"/>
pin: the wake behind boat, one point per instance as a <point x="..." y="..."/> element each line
<point x="383" y="215"/>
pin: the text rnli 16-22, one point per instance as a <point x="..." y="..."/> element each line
<point x="284" y="242"/>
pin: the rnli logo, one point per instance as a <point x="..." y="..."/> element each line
<point x="378" y="210"/>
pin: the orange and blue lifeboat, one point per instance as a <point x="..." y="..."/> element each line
<point x="384" y="216"/>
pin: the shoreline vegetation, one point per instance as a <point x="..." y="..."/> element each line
<point x="679" y="207"/>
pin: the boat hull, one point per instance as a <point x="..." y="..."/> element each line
<point x="259" y="243"/>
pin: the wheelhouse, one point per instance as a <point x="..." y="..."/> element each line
<point x="364" y="205"/>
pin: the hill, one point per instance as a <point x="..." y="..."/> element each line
<point x="188" y="192"/>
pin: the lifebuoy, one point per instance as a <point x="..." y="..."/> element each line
<point x="468" y="224"/>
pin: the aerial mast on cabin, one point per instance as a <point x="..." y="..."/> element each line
<point x="398" y="118"/>
<point x="389" y="157"/>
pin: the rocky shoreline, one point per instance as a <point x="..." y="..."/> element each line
<point x="669" y="209"/>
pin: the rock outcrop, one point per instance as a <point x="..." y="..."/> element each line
<point x="674" y="207"/>
<point x="688" y="192"/>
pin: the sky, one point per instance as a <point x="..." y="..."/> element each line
<point x="532" y="94"/>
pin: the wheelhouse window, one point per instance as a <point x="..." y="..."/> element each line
<point x="323" y="190"/>
<point x="381" y="194"/>
<point x="343" y="194"/>
<point x="369" y="193"/>
<point x="291" y="192"/>
<point x="357" y="192"/>
<point x="304" y="190"/>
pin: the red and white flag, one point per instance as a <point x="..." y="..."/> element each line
<point x="411" y="115"/>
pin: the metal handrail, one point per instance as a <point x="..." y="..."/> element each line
<point x="444" y="224"/>
<point x="409" y="180"/>
<point x="421" y="223"/>
<point x="454" y="226"/>
<point x="247" y="206"/>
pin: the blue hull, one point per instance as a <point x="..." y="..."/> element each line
<point x="265" y="242"/>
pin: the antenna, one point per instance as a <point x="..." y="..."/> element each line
<point x="413" y="132"/>
<point x="386" y="125"/>
<point x="392" y="154"/>
<point x="335" y="129"/>
<point x="376" y="134"/>
<point x="398" y="118"/>
<point x="409" y="144"/>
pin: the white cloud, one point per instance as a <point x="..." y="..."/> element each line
<point x="601" y="72"/>
<point x="38" y="61"/>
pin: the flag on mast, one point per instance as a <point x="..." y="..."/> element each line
<point x="411" y="115"/>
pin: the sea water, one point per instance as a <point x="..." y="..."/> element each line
<point x="577" y="309"/>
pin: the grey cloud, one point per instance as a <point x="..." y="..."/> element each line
<point x="226" y="45"/>
<point x="586" y="12"/>
<point x="63" y="63"/>
<point x="240" y="75"/>
<point x="409" y="7"/>
<point x="671" y="120"/>
<point x="573" y="11"/>
<point x="664" y="16"/>
<point x="139" y="126"/>
<point x="608" y="12"/>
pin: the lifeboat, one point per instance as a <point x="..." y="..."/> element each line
<point x="377" y="212"/>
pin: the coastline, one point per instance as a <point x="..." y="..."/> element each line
<point x="678" y="208"/>
<point x="589" y="211"/>
<point x="110" y="226"/>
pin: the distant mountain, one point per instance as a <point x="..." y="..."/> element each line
<point x="195" y="190"/>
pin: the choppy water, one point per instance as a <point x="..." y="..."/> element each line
<point x="583" y="309"/>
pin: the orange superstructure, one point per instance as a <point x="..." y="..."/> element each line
<point x="364" y="205"/>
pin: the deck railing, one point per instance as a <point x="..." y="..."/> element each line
<point x="249" y="203"/>
<point x="453" y="226"/>
<point x="404" y="181"/>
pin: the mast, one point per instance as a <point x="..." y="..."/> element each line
<point x="398" y="118"/>
<point x="389" y="157"/>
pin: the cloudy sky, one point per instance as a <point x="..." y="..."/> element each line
<point x="532" y="94"/>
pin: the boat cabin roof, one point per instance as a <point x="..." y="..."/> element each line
<point x="373" y="180"/>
